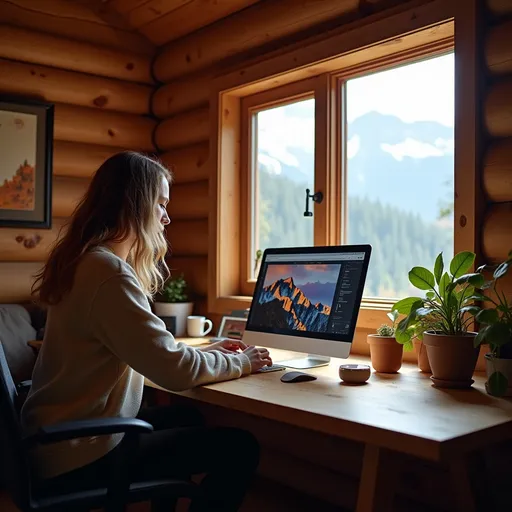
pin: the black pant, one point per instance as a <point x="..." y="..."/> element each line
<point x="182" y="446"/>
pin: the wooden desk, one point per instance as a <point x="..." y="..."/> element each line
<point x="391" y="413"/>
<point x="400" y="413"/>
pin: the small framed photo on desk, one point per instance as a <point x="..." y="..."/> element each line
<point x="232" y="327"/>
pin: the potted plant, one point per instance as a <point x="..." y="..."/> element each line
<point x="448" y="307"/>
<point x="173" y="303"/>
<point x="385" y="351"/>
<point x="413" y="335"/>
<point x="495" y="329"/>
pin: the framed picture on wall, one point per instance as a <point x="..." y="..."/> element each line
<point x="26" y="151"/>
<point x="232" y="327"/>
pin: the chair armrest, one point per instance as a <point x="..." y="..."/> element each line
<point x="85" y="428"/>
<point x="24" y="386"/>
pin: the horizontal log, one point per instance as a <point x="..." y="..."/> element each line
<point x="81" y="124"/>
<point x="250" y="28"/>
<point x="189" y="163"/>
<point x="183" y="129"/>
<point x="77" y="160"/>
<point x="55" y="85"/>
<point x="125" y="6"/>
<point x="21" y="244"/>
<point x="498" y="109"/>
<point x="189" y="201"/>
<point x="188" y="237"/>
<point x="181" y="95"/>
<point x="66" y="194"/>
<point x="39" y="48"/>
<point x="496" y="240"/>
<point x="17" y="279"/>
<point x="500" y="6"/>
<point x="498" y="49"/>
<point x="161" y="21"/>
<point x="497" y="172"/>
<point x="74" y="21"/>
<point x="195" y="270"/>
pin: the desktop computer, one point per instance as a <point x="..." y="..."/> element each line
<point x="307" y="300"/>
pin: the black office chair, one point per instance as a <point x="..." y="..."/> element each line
<point x="116" y="494"/>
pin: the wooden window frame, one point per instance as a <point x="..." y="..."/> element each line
<point x="324" y="234"/>
<point x="405" y="34"/>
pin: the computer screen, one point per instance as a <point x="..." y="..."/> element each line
<point x="311" y="293"/>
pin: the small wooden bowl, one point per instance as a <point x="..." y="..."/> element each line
<point x="354" y="373"/>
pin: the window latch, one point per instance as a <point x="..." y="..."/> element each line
<point x="318" y="197"/>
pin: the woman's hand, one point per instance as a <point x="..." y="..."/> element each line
<point x="227" y="346"/>
<point x="259" y="357"/>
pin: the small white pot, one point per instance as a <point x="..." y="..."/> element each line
<point x="179" y="310"/>
<point x="493" y="364"/>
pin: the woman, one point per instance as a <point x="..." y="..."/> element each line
<point x="101" y="338"/>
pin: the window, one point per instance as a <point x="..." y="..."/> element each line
<point x="283" y="168"/>
<point x="399" y="161"/>
<point x="284" y="129"/>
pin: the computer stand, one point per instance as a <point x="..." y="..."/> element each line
<point x="310" y="361"/>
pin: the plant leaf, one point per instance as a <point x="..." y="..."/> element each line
<point x="479" y="296"/>
<point x="393" y="315"/>
<point x="445" y="281"/>
<point x="431" y="295"/>
<point x="487" y="316"/>
<point x="422" y="278"/>
<point x="472" y="310"/>
<point x="476" y="280"/>
<point x="501" y="270"/>
<point x="408" y="346"/>
<point x="439" y="267"/>
<point x="480" y="337"/>
<point x="404" y="306"/>
<point x="461" y="263"/>
<point x="498" y="334"/>
<point x="423" y="311"/>
<point x="498" y="384"/>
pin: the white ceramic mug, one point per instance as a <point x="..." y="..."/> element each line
<point x="198" y="326"/>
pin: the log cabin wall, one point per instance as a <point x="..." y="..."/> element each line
<point x="497" y="140"/>
<point x="184" y="67"/>
<point x="98" y="75"/>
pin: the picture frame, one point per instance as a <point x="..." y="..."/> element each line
<point x="26" y="146"/>
<point x="232" y="327"/>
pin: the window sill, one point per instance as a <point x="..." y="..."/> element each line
<point x="371" y="315"/>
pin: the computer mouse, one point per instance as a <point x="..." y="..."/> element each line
<point x="297" y="377"/>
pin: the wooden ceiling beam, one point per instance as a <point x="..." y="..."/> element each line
<point x="162" y="21"/>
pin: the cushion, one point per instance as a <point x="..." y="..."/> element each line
<point x="15" y="330"/>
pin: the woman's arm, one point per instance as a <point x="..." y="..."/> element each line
<point x="121" y="318"/>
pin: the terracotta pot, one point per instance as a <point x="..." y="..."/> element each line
<point x="421" y="354"/>
<point x="452" y="359"/>
<point x="386" y="353"/>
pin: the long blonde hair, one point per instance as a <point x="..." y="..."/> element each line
<point x="119" y="203"/>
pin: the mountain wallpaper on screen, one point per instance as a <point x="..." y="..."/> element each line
<point x="284" y="305"/>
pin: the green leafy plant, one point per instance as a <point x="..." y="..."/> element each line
<point x="495" y="322"/>
<point x="175" y="290"/>
<point x="448" y="305"/>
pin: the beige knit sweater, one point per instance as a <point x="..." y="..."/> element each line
<point x="99" y="343"/>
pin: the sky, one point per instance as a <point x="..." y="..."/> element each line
<point x="400" y="92"/>
<point x="302" y="274"/>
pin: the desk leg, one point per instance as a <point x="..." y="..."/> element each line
<point x="377" y="485"/>
<point x="464" y="496"/>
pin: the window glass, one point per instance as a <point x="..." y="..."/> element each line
<point x="283" y="168"/>
<point x="400" y="170"/>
